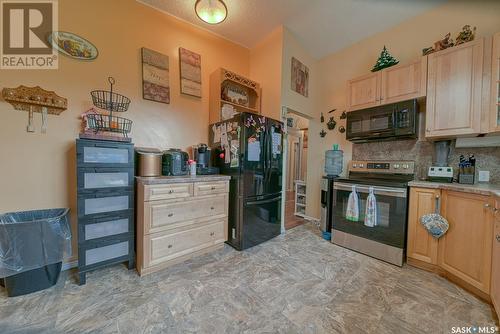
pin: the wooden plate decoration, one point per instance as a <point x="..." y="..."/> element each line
<point x="236" y="94"/>
<point x="73" y="45"/>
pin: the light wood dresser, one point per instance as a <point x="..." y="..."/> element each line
<point x="179" y="218"/>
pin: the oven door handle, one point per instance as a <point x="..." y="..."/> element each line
<point x="392" y="192"/>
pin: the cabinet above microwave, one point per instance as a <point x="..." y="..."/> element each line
<point x="394" y="84"/>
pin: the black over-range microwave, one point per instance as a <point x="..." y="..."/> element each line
<point x="389" y="122"/>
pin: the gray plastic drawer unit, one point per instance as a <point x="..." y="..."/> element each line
<point x="105" y="197"/>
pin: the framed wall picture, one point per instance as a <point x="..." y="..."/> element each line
<point x="300" y="78"/>
<point x="155" y="76"/>
<point x="190" y="72"/>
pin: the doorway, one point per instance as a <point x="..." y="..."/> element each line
<point x="296" y="168"/>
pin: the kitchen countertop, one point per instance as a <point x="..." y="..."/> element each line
<point x="181" y="179"/>
<point x="478" y="188"/>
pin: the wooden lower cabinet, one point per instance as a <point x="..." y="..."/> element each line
<point x="464" y="253"/>
<point x="495" y="267"/>
<point x="465" y="250"/>
<point x="421" y="245"/>
<point x="179" y="221"/>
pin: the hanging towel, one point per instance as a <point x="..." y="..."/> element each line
<point x="371" y="209"/>
<point x="434" y="223"/>
<point x="352" y="212"/>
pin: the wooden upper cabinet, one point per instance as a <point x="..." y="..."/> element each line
<point x="495" y="85"/>
<point x="394" y="84"/>
<point x="454" y="90"/>
<point x="363" y="92"/>
<point x="404" y="82"/>
<point x="495" y="265"/>
<point x="465" y="250"/>
<point x="422" y="245"/>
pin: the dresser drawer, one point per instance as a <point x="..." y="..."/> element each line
<point x="93" y="229"/>
<point x="101" y="178"/>
<point x="106" y="253"/>
<point x="103" y="203"/>
<point x="164" y="246"/>
<point x="161" y="215"/>
<point x="210" y="188"/>
<point x="93" y="153"/>
<point x="167" y="191"/>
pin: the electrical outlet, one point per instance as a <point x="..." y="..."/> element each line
<point x="484" y="176"/>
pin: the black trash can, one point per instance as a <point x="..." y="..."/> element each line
<point x="32" y="246"/>
<point x="32" y="280"/>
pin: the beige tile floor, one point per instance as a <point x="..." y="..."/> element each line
<point x="295" y="283"/>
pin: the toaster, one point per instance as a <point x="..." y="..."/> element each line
<point x="175" y="162"/>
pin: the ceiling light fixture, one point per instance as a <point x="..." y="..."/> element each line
<point x="211" y="11"/>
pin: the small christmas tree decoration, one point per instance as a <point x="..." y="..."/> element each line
<point x="385" y="60"/>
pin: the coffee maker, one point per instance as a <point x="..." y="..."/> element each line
<point x="202" y="156"/>
<point x="440" y="171"/>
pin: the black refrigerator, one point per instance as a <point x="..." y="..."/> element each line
<point x="249" y="148"/>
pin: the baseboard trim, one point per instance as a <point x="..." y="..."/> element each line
<point x="450" y="277"/>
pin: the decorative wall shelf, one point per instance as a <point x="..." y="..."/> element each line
<point x="33" y="99"/>
<point x="249" y="99"/>
<point x="254" y="110"/>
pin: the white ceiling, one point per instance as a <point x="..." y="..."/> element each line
<point x="321" y="26"/>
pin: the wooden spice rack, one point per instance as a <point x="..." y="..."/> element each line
<point x="34" y="99"/>
<point x="218" y="81"/>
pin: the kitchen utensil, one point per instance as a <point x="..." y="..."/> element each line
<point x="175" y="162"/>
<point x="148" y="161"/>
<point x="442" y="150"/>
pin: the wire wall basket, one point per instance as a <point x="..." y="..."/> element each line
<point x="99" y="122"/>
<point x="112" y="102"/>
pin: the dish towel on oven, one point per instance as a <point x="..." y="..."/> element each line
<point x="352" y="212"/>
<point x="371" y="209"/>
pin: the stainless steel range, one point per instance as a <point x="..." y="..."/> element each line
<point x="388" y="181"/>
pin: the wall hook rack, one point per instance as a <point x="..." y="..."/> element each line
<point x="34" y="99"/>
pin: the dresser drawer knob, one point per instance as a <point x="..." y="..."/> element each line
<point x="213" y="188"/>
<point x="170" y="191"/>
<point x="169" y="246"/>
<point x="212" y="234"/>
<point x="211" y="208"/>
<point x="498" y="237"/>
<point x="170" y="214"/>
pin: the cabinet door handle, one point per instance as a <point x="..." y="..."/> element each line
<point x="438" y="205"/>
<point x="211" y="208"/>
<point x="169" y="246"/>
<point x="497" y="237"/>
<point x="170" y="214"/>
<point x="491" y="207"/>
<point x="213" y="188"/>
<point x="170" y="191"/>
<point x="212" y="234"/>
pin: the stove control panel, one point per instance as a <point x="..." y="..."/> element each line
<point x="386" y="167"/>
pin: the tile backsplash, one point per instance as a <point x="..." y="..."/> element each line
<point x="422" y="152"/>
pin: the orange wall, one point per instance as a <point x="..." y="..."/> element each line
<point x="405" y="42"/>
<point x="265" y="68"/>
<point x="38" y="170"/>
<point x="290" y="98"/>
